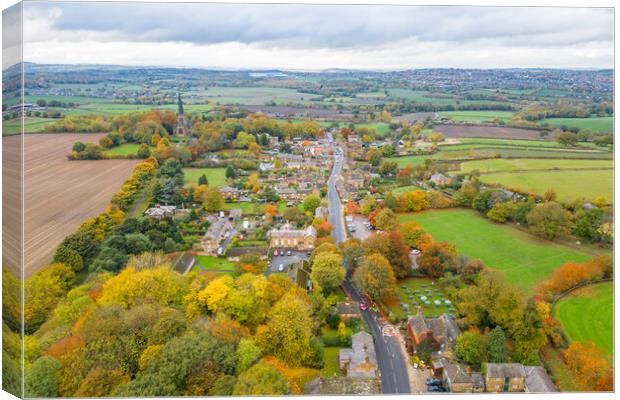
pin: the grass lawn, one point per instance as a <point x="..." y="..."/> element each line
<point x="515" y="164"/>
<point x="408" y="298"/>
<point x="588" y="314"/>
<point x="569" y="185"/>
<point x="477" y="116"/>
<point x="596" y="124"/>
<point x="31" y="125"/>
<point x="215" y="176"/>
<point x="123" y="149"/>
<point x="381" y="128"/>
<point x="247" y="207"/>
<point x="214" y="263"/>
<point x="330" y="358"/>
<point x="524" y="259"/>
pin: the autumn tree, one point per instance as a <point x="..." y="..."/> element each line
<point x="311" y="203"/>
<point x="415" y="235"/>
<point x="587" y="365"/>
<point x="352" y="252"/>
<point x="247" y="354"/>
<point x="367" y="205"/>
<point x="42" y="378"/>
<point x="263" y="379"/>
<point x="213" y="200"/>
<point x="386" y="220"/>
<point x="327" y="272"/>
<point x="436" y="258"/>
<point x="466" y="194"/>
<point x="471" y="348"/>
<point x="412" y="201"/>
<point x="549" y="220"/>
<point x="375" y="278"/>
<point x="393" y="247"/>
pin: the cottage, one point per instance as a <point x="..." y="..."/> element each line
<point x="537" y="380"/>
<point x="231" y="193"/>
<point x="220" y="230"/>
<point x="290" y="238"/>
<point x="440" y="179"/>
<point x="160" y="212"/>
<point x="436" y="333"/>
<point x="360" y="361"/>
<point x="348" y="309"/>
<point x="456" y="379"/>
<point x="290" y="194"/>
<point x="505" y="377"/>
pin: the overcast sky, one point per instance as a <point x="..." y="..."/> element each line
<point x="317" y="37"/>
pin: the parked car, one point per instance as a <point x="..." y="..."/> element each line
<point x="281" y="252"/>
<point x="275" y="252"/>
<point x="433" y="382"/>
<point x="281" y="267"/>
<point x="288" y="253"/>
<point x="363" y="306"/>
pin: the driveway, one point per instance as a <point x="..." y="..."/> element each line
<point x="275" y="261"/>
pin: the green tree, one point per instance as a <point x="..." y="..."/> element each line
<point x="213" y="200"/>
<point x="368" y="204"/>
<point x="496" y="348"/>
<point x="247" y="354"/>
<point x="82" y="242"/>
<point x="144" y="151"/>
<point x="549" y="220"/>
<point x="567" y="138"/>
<point x="386" y="220"/>
<point x="311" y="203"/>
<point x="100" y="382"/>
<point x="500" y="212"/>
<point x="230" y="172"/>
<point x="42" y="378"/>
<point x="588" y="224"/>
<point x="471" y="348"/>
<point x="223" y="386"/>
<point x="262" y="379"/>
<point x="69" y="257"/>
<point x="375" y="278"/>
<point x="327" y="271"/>
<point x="390" y="201"/>
<point x="202" y="180"/>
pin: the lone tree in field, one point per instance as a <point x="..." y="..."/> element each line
<point x="549" y="220"/>
<point x="230" y="172"/>
<point x="202" y="180"/>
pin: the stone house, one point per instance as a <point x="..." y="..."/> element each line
<point x="505" y="377"/>
<point x="290" y="238"/>
<point x="440" y="179"/>
<point x="220" y="230"/>
<point x="456" y="379"/>
<point x="436" y="334"/>
<point x="348" y="309"/>
<point x="537" y="380"/>
<point x="360" y="361"/>
<point x="231" y="193"/>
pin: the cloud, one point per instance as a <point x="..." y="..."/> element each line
<point x="279" y="31"/>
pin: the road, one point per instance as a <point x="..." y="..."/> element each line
<point x="392" y="363"/>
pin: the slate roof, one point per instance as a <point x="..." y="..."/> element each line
<point x="456" y="374"/>
<point x="537" y="380"/>
<point x="343" y="385"/>
<point x="505" y="370"/>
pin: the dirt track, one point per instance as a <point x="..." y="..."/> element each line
<point x="60" y="194"/>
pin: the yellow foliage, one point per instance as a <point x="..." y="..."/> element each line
<point x="215" y="293"/>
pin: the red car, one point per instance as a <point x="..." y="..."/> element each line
<point x="363" y="306"/>
<point x="275" y="252"/>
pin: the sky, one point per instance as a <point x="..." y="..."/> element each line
<point x="315" y="37"/>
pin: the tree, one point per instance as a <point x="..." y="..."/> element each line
<point x="471" y="348"/>
<point x="230" y="172"/>
<point x="213" y="200"/>
<point x="288" y="332"/>
<point x="587" y="364"/>
<point x="466" y="194"/>
<point x="69" y="257"/>
<point x="496" y="348"/>
<point x="500" y="212"/>
<point x="549" y="220"/>
<point x="42" y="378"/>
<point x="393" y="247"/>
<point x="247" y="354"/>
<point x="263" y="379"/>
<point x="100" y="382"/>
<point x="375" y="278"/>
<point x="486" y="199"/>
<point x="311" y="203"/>
<point x="327" y="271"/>
<point x="202" y="180"/>
<point x="373" y="156"/>
<point x="588" y="224"/>
<point x="105" y="142"/>
<point x="352" y="252"/>
<point x="415" y="236"/>
<point x="550" y="195"/>
<point x="367" y="205"/>
<point x="390" y="202"/>
<point x="143" y="151"/>
<point x="567" y="139"/>
<point x="386" y="220"/>
<point x="437" y="258"/>
<point x="388" y="168"/>
<point x="414" y="200"/>
<point x="215" y="293"/>
<point x="82" y="242"/>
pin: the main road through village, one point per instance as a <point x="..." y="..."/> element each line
<point x="392" y="362"/>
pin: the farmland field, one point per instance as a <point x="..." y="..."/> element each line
<point x="477" y="116"/>
<point x="524" y="259"/>
<point x="569" y="185"/>
<point x="123" y="149"/>
<point x="31" y="124"/>
<point x="215" y="176"/>
<point x="596" y="124"/>
<point x="588" y="314"/>
<point x="61" y="194"/>
<point x="515" y="164"/>
<point x="409" y="160"/>
<point x="381" y="128"/>
<point x="252" y="95"/>
<point x="468" y="131"/>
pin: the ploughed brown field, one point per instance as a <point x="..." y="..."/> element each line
<point x="469" y="131"/>
<point x="61" y="194"/>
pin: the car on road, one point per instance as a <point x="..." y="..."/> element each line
<point x="281" y="267"/>
<point x="281" y="252"/>
<point x="275" y="252"/>
<point x="288" y="253"/>
<point x="363" y="306"/>
<point x="433" y="382"/>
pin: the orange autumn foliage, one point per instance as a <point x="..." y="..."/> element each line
<point x="228" y="330"/>
<point x="296" y="376"/>
<point x="588" y="366"/>
<point x="65" y="345"/>
<point x="571" y="275"/>
<point x="271" y="209"/>
<point x="351" y="208"/>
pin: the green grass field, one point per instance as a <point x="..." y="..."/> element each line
<point x="477" y="116"/>
<point x="330" y="366"/>
<point x="215" y="263"/>
<point x="588" y="314"/>
<point x="569" y="185"/>
<point x="404" y="189"/>
<point x="215" y="176"/>
<point x="381" y="128"/>
<point x="409" y="160"/>
<point x="31" y="125"/>
<point x="515" y="164"/>
<point x="408" y="299"/>
<point x="524" y="259"/>
<point x="596" y="124"/>
<point x="123" y="149"/>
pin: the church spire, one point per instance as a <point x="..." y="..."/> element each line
<point x="180" y="104"/>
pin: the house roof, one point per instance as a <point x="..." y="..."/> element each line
<point x="455" y="373"/>
<point x="537" y="380"/>
<point x="343" y="385"/>
<point x="444" y="329"/>
<point x="505" y="370"/>
<point x="361" y="356"/>
<point x="347" y="307"/>
<point x="217" y="229"/>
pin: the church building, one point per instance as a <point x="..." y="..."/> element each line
<point x="183" y="126"/>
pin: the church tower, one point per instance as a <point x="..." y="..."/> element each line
<point x="182" y="127"/>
